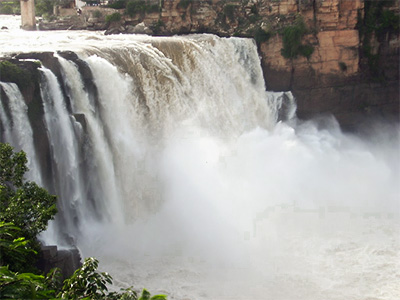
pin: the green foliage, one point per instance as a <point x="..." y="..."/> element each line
<point x="12" y="165"/>
<point x="254" y="9"/>
<point x="388" y="21"/>
<point x="25" y="204"/>
<point x="25" y="211"/>
<point x="261" y="35"/>
<point x="115" y="17"/>
<point x="120" y="4"/>
<point x="10" y="7"/>
<point x="97" y="14"/>
<point x="134" y="7"/>
<point x="23" y="285"/>
<point x="378" y="20"/>
<point x="292" y="40"/>
<point x="6" y="10"/>
<point x="306" y="50"/>
<point x="15" y="250"/>
<point x="44" y="7"/>
<point x="87" y="283"/>
<point x="10" y="72"/>
<point x="156" y="26"/>
<point x="31" y="207"/>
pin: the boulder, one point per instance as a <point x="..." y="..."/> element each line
<point x="68" y="260"/>
<point x="141" y="28"/>
<point x="114" y="30"/>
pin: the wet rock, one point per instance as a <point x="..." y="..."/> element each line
<point x="140" y="28"/>
<point x="68" y="260"/>
<point x="115" y="30"/>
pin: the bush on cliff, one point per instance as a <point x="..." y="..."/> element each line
<point x="378" y="22"/>
<point x="120" y="4"/>
<point x="134" y="7"/>
<point x="115" y="17"/>
<point x="292" y="40"/>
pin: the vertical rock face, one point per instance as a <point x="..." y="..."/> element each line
<point x="349" y="72"/>
<point x="334" y="37"/>
<point x="28" y="15"/>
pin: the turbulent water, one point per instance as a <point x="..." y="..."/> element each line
<point x="177" y="170"/>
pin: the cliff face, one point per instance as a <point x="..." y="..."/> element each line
<point x="338" y="77"/>
<point x="336" y="56"/>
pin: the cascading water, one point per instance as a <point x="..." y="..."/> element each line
<point x="16" y="127"/>
<point x="172" y="169"/>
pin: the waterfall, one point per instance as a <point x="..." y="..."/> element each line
<point x="178" y="170"/>
<point x="17" y="129"/>
<point x="145" y="94"/>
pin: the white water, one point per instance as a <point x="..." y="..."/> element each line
<point x="18" y="131"/>
<point x="217" y="201"/>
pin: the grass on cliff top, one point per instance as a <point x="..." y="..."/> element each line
<point x="10" y="72"/>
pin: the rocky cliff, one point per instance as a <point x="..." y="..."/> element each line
<point x="336" y="56"/>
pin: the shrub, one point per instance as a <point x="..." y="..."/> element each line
<point x="120" y="4"/>
<point x="24" y="204"/>
<point x="261" y="35"/>
<point x="292" y="37"/>
<point x="254" y="9"/>
<point x="44" y="7"/>
<point x="378" y="20"/>
<point x="15" y="250"/>
<point x="156" y="26"/>
<point x="306" y="51"/>
<point x="23" y="285"/>
<point x="7" y="10"/>
<point x="97" y="14"/>
<point x="87" y="283"/>
<point x="134" y="7"/>
<point x="115" y="17"/>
